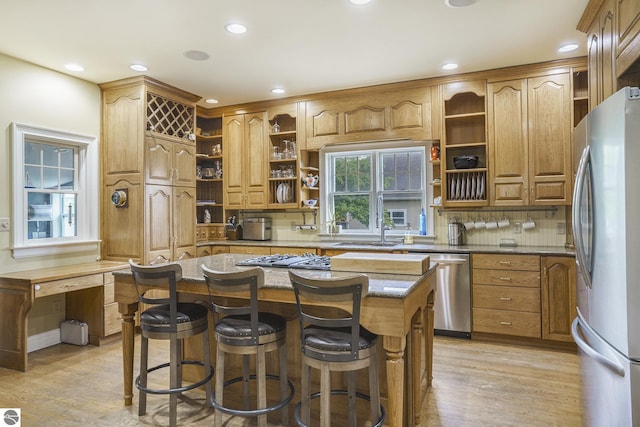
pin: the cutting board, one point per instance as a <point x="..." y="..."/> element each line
<point x="364" y="262"/>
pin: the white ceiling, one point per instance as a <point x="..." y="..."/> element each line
<point x="304" y="46"/>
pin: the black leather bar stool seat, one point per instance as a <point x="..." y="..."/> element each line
<point x="168" y="319"/>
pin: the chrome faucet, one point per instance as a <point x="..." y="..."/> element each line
<point x="380" y="217"/>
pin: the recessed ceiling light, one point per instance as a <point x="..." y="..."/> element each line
<point x="277" y="90"/>
<point x="459" y="3"/>
<point x="450" y="66"/>
<point x="138" y="67"/>
<point x="211" y="101"/>
<point x="568" y="47"/>
<point x="74" y="67"/>
<point x="236" y="28"/>
<point x="359" y="2"/>
<point x="197" y="55"/>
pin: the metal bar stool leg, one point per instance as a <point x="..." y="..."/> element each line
<point x="174" y="357"/>
<point x="144" y="354"/>
<point x="262" y="384"/>
<point x="304" y="393"/>
<point x="374" y="388"/>
<point x="351" y="393"/>
<point x="325" y="396"/>
<point x="245" y="381"/>
<point x="219" y="384"/>
<point x="283" y="382"/>
<point x="207" y="362"/>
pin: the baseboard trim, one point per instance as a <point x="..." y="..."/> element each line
<point x="42" y="340"/>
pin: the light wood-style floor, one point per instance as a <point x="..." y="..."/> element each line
<point x="475" y="384"/>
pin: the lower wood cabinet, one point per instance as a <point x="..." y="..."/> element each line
<point x="558" y="297"/>
<point x="524" y="295"/>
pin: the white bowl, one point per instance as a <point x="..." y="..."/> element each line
<point x="310" y="203"/>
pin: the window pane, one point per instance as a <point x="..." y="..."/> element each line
<point x="50" y="178"/>
<point x="32" y="153"/>
<point x="341" y="174"/>
<point x="66" y="157"/>
<point x="49" y="155"/>
<point x="51" y="215"/>
<point x="364" y="169"/>
<point x="32" y="177"/>
<point x="352" y="174"/>
<point x="352" y="211"/>
<point x="66" y="179"/>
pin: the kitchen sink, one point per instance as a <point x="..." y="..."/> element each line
<point x="366" y="243"/>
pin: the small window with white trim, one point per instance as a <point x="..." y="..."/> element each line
<point x="55" y="192"/>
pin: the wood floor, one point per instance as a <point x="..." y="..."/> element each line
<point x="475" y="384"/>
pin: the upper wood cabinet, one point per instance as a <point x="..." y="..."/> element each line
<point x="558" y="297"/>
<point x="530" y="141"/>
<point x="627" y="29"/>
<point x="374" y="115"/>
<point x="169" y="162"/>
<point x="245" y="160"/>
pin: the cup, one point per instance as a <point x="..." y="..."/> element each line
<point x="469" y="225"/>
<point x="491" y="224"/>
<point x="504" y="222"/>
<point x="437" y="201"/>
<point x="480" y="224"/>
<point x="528" y="224"/>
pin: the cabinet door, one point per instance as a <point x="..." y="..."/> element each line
<point x="256" y="160"/>
<point x="184" y="227"/>
<point x="549" y="108"/>
<point x="159" y="163"/>
<point x="627" y="32"/>
<point x="508" y="143"/>
<point x="608" y="49"/>
<point x="184" y="165"/>
<point x="157" y="236"/>
<point x="558" y="297"/>
<point x="233" y="134"/>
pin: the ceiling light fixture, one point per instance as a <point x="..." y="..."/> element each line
<point x="359" y="2"/>
<point x="74" y="67"/>
<point x="277" y="90"/>
<point x="197" y="55"/>
<point x="138" y="67"/>
<point x="459" y="3"/>
<point x="236" y="28"/>
<point x="568" y="47"/>
<point x="211" y="101"/>
<point x="450" y="66"/>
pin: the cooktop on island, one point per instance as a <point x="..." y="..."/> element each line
<point x="306" y="261"/>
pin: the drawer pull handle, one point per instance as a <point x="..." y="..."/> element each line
<point x="506" y="279"/>
<point x="36" y="287"/>
<point x="505" y="262"/>
<point x="506" y="323"/>
<point x="505" y="299"/>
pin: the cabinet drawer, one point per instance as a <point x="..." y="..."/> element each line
<point x="530" y="279"/>
<point x="507" y="298"/>
<point x="68" y="285"/>
<point x="506" y="322"/>
<point x="506" y="262"/>
<point x="203" y="251"/>
<point x="251" y="250"/>
<point x="291" y="250"/>
<point x="109" y="292"/>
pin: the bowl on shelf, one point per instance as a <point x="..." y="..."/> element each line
<point x="311" y="203"/>
<point x="465" y="162"/>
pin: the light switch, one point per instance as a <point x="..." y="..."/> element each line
<point x="4" y="224"/>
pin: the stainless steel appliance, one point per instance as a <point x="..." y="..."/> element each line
<point x="306" y="261"/>
<point x="256" y="229"/>
<point x="456" y="233"/>
<point x="606" y="229"/>
<point x="452" y="308"/>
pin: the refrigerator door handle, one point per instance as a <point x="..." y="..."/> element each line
<point x="591" y="352"/>
<point x="577" y="196"/>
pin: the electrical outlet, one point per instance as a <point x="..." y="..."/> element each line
<point x="560" y="228"/>
<point x="517" y="227"/>
<point x="4" y="224"/>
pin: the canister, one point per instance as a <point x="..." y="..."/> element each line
<point x="456" y="233"/>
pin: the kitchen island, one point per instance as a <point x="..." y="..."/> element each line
<point x="399" y="308"/>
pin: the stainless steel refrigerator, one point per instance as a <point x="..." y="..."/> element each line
<point x="606" y="228"/>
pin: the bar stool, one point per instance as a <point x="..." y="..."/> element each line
<point x="246" y="331"/>
<point x="335" y="344"/>
<point x="168" y="319"/>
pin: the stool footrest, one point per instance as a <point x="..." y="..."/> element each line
<point x="175" y="390"/>
<point x="296" y="411"/>
<point x="254" y="412"/>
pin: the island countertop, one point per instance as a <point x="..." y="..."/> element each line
<point x="380" y="284"/>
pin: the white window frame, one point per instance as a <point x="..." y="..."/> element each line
<point x="326" y="170"/>
<point x="87" y="190"/>
<point x="404" y="215"/>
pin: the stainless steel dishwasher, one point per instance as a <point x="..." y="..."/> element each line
<point x="452" y="308"/>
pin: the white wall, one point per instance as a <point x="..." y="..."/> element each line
<point x="33" y="95"/>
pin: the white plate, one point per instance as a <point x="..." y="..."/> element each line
<point x="468" y="186"/>
<point x="285" y="193"/>
<point x="482" y="187"/>
<point x="479" y="187"/>
<point x="279" y="193"/>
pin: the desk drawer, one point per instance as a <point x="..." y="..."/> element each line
<point x="506" y="262"/>
<point x="506" y="298"/>
<point x="529" y="279"/>
<point x="507" y="322"/>
<point x="112" y="319"/>
<point x="68" y="285"/>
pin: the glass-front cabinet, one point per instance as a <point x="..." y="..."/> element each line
<point x="284" y="186"/>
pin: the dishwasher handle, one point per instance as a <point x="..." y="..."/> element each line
<point x="445" y="261"/>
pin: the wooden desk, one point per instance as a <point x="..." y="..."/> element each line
<point x="399" y="308"/>
<point x="18" y="290"/>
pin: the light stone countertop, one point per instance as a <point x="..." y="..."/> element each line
<point x="383" y="285"/>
